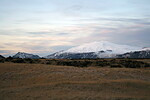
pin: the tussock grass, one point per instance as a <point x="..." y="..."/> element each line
<point x="21" y="81"/>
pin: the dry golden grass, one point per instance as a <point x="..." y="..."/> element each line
<point x="48" y="82"/>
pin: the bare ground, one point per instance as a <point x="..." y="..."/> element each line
<point x="49" y="82"/>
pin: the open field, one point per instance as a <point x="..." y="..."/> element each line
<point x="20" y="81"/>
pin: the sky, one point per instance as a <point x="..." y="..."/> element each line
<point x="46" y="26"/>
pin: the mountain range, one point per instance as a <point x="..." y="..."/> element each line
<point x="93" y="50"/>
<point x="101" y="49"/>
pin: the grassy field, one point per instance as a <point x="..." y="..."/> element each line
<point x="53" y="82"/>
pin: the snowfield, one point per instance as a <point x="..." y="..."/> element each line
<point x="102" y="46"/>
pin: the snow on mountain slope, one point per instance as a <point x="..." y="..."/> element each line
<point x="101" y="49"/>
<point x="146" y="49"/>
<point x="102" y="46"/>
<point x="136" y="54"/>
<point x="25" y="55"/>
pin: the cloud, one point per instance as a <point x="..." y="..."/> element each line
<point x="133" y="37"/>
<point x="39" y="33"/>
<point x="60" y="34"/>
<point x="7" y="53"/>
<point x="145" y="21"/>
<point x="63" y="47"/>
<point x="47" y="41"/>
<point x="36" y="44"/>
<point x="47" y="33"/>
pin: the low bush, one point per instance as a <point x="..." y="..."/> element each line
<point x="116" y="66"/>
<point x="113" y="63"/>
<point x="2" y="60"/>
<point x="134" y="64"/>
<point x="9" y="59"/>
<point x="18" y="60"/>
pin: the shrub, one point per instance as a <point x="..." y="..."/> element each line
<point x="18" y="60"/>
<point x="2" y="60"/>
<point x="9" y="59"/>
<point x="134" y="64"/>
<point x="116" y="66"/>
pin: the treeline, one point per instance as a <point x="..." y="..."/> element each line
<point x="113" y="63"/>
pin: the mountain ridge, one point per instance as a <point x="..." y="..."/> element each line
<point x="25" y="55"/>
<point x="101" y="49"/>
<point x="1" y="57"/>
<point x="102" y="46"/>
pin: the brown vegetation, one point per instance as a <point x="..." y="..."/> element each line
<point x="20" y="81"/>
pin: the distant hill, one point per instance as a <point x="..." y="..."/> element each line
<point x="25" y="55"/>
<point x="136" y="54"/>
<point x="1" y="57"/>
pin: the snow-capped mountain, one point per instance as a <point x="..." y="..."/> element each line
<point x="25" y="55"/>
<point x="72" y="55"/>
<point x="144" y="53"/>
<point x="102" y="46"/>
<point x="146" y="49"/>
<point x="101" y="49"/>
